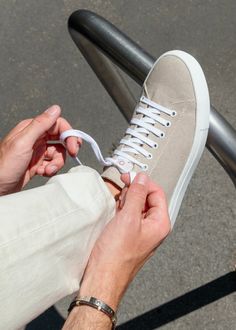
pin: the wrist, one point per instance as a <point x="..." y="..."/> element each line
<point x="107" y="286"/>
<point x="85" y="317"/>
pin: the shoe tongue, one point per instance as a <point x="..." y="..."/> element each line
<point x="112" y="174"/>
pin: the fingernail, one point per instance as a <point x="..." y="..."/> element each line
<point x="121" y="203"/>
<point x="76" y="150"/>
<point x="53" y="111"/>
<point x="141" y="178"/>
<point x="73" y="152"/>
<point x="53" y="169"/>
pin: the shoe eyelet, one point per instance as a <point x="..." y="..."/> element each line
<point x="149" y="156"/>
<point x="168" y="124"/>
<point x="121" y="162"/>
<point x="155" y="146"/>
<point x="162" y="135"/>
<point x="173" y="113"/>
<point x="145" y="167"/>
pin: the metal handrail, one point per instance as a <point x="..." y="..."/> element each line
<point x="99" y="40"/>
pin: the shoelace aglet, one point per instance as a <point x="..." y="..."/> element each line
<point x="132" y="175"/>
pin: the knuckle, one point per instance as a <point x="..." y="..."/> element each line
<point x="37" y="120"/>
<point x="127" y="217"/>
<point x="161" y="193"/>
<point x="24" y="122"/>
<point x="138" y="191"/>
<point x="19" y="143"/>
<point x="165" y="227"/>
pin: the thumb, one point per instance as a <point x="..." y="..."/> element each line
<point x="42" y="123"/>
<point x="137" y="194"/>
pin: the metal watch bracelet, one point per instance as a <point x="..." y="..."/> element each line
<point x="96" y="304"/>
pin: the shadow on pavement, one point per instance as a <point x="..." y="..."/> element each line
<point x="157" y="317"/>
<point x="49" y="320"/>
<point x="184" y="304"/>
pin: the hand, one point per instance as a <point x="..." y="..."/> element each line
<point x="132" y="236"/>
<point x="140" y="225"/>
<point x="24" y="152"/>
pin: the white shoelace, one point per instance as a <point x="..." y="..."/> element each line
<point x="137" y="137"/>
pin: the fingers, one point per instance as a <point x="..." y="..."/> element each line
<point x="122" y="197"/>
<point x="72" y="143"/>
<point x="136" y="195"/>
<point x="49" y="123"/>
<point x="41" y="124"/>
<point x="157" y="214"/>
<point x="156" y="197"/>
<point x="55" y="165"/>
<point x="147" y="196"/>
<point x="125" y="177"/>
<point x="145" y="205"/>
<point x="54" y="160"/>
<point x="157" y="207"/>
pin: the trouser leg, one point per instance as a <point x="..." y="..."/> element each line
<point x="46" y="237"/>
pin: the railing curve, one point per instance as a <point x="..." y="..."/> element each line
<point x="98" y="40"/>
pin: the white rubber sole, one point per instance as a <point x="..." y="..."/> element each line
<point x="201" y="132"/>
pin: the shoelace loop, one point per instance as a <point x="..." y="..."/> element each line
<point x="97" y="151"/>
<point x="137" y="137"/>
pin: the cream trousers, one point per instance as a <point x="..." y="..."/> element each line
<point x="46" y="236"/>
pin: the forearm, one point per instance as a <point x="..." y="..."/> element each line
<point x="103" y="286"/>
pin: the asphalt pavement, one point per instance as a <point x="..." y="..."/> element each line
<point x="190" y="282"/>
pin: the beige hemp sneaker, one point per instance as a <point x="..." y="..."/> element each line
<point x="169" y="127"/>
